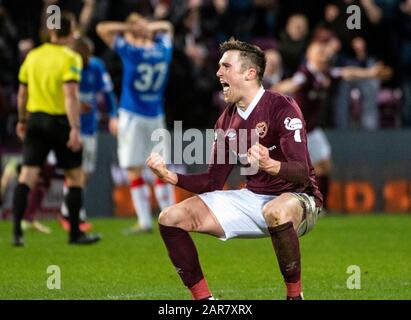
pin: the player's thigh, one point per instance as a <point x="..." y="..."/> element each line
<point x="282" y="209"/>
<point x="133" y="144"/>
<point x="191" y="214"/>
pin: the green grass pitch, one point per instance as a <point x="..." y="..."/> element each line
<point x="137" y="267"/>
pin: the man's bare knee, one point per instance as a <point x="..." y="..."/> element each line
<point x="170" y="217"/>
<point x="275" y="215"/>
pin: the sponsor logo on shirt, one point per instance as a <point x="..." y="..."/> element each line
<point x="296" y="125"/>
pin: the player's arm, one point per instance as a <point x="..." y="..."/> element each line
<point x="213" y="179"/>
<point x="86" y="14"/>
<point x="291" y="85"/>
<point x="72" y="106"/>
<point x="157" y="164"/>
<point x="373" y="12"/>
<point x="72" y="103"/>
<point x="286" y="86"/>
<point x="113" y="111"/>
<point x="377" y="71"/>
<point x="295" y="169"/>
<point x="107" y="30"/>
<point x="105" y="86"/>
<point x="110" y="100"/>
<point x="22" y="97"/>
<point x="292" y="141"/>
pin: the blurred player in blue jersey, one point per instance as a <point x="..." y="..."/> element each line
<point x="145" y="48"/>
<point x="94" y="80"/>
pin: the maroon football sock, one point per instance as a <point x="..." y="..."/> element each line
<point x="287" y="249"/>
<point x="183" y="254"/>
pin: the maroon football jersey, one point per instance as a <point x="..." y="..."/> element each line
<point x="279" y="124"/>
<point x="311" y="94"/>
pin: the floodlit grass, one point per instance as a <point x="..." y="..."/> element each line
<point x="137" y="267"/>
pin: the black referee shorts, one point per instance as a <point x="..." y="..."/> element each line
<point x="47" y="132"/>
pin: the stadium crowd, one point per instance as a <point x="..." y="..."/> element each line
<point x="283" y="28"/>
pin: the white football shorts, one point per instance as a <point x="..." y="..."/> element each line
<point x="135" y="138"/>
<point x="318" y="146"/>
<point x="240" y="212"/>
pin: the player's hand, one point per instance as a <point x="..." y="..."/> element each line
<point x="74" y="142"/>
<point x="259" y="157"/>
<point x="113" y="126"/>
<point x="21" y="130"/>
<point x="157" y="164"/>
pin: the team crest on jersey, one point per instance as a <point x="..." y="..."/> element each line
<point x="261" y="128"/>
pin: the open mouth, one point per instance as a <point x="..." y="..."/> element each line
<point x="225" y="86"/>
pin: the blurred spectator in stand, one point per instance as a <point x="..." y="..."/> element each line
<point x="188" y="95"/>
<point x="309" y="86"/>
<point x="273" y="69"/>
<point x="215" y="21"/>
<point x="367" y="88"/>
<point x="8" y="63"/>
<point x="335" y="18"/>
<point x="322" y="33"/>
<point x="292" y="43"/>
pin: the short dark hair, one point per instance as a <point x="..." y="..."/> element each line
<point x="253" y="54"/>
<point x="67" y="24"/>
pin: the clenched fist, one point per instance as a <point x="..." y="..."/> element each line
<point x="157" y="164"/>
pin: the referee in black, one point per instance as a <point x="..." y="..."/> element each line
<point x="49" y="119"/>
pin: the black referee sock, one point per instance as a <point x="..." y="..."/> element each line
<point x="74" y="202"/>
<point x="19" y="207"/>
